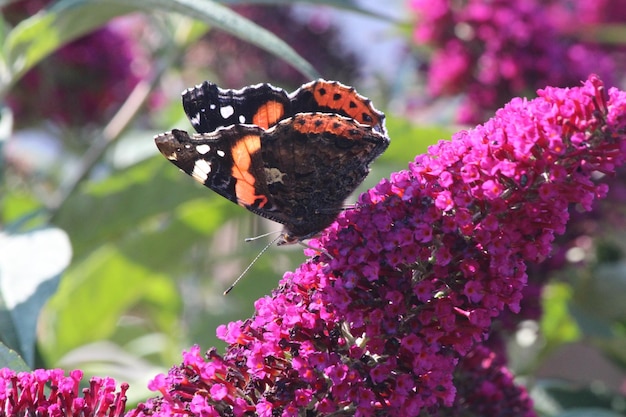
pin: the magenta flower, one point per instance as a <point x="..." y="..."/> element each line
<point x="381" y="329"/>
<point x="486" y="388"/>
<point x="49" y="393"/>
<point x="87" y="79"/>
<point x="491" y="51"/>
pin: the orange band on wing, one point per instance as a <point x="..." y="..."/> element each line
<point x="242" y="163"/>
<point x="339" y="97"/>
<point x="321" y="123"/>
<point x="268" y="114"/>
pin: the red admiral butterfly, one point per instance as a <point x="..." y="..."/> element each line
<point x="292" y="158"/>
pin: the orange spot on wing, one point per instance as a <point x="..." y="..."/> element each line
<point x="321" y="123"/>
<point x="269" y="114"/>
<point x="242" y="164"/>
<point x="340" y="97"/>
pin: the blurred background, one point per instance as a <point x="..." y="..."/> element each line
<point x="113" y="262"/>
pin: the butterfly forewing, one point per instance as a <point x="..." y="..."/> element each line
<point x="333" y="97"/>
<point x="209" y="107"/>
<point x="228" y="161"/>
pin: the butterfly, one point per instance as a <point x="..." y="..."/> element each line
<point x="291" y="158"/>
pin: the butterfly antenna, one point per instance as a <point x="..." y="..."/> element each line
<point x="250" y="239"/>
<point x="229" y="289"/>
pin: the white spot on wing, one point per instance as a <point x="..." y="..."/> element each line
<point x="227" y="111"/>
<point x="212" y="106"/>
<point x="221" y="153"/>
<point x="202" y="149"/>
<point x="201" y="170"/>
<point x="242" y="118"/>
<point x="195" y="120"/>
<point x="274" y="175"/>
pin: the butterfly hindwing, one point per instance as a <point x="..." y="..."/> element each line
<point x="310" y="149"/>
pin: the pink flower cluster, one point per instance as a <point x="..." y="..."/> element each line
<point x="418" y="272"/>
<point x="486" y="388"/>
<point x="49" y="393"/>
<point x="494" y="50"/>
<point x="86" y="80"/>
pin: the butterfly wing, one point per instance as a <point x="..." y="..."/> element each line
<point x="313" y="162"/>
<point x="333" y="97"/>
<point x="228" y="161"/>
<point x="209" y="107"/>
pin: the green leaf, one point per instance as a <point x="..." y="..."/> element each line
<point x="4" y="30"/>
<point x="133" y="233"/>
<point x="30" y="268"/>
<point x="350" y="5"/>
<point x="214" y="14"/>
<point x="21" y="210"/>
<point x="98" y="291"/>
<point x="610" y="34"/>
<point x="409" y="139"/>
<point x="556" y="323"/>
<point x="41" y="34"/>
<point x="131" y="200"/>
<point x="36" y="37"/>
<point x="10" y="359"/>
